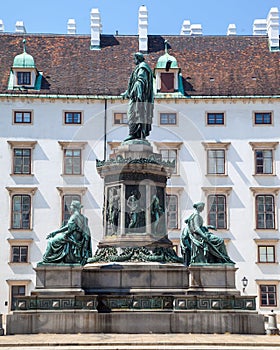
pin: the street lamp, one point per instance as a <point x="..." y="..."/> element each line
<point x="244" y="283"/>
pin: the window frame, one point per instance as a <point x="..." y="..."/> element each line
<point x="168" y="212"/>
<point x="21" y="191"/>
<point x="266" y="254"/>
<point x="64" y="204"/>
<point x="22" y="254"/>
<point x="21" y="80"/>
<point x="213" y="162"/>
<point x="12" y="283"/>
<point x="73" y="159"/>
<point x="22" y="112"/>
<point x="265" y="212"/>
<point x="72" y="191"/>
<point x="25" y="161"/>
<point x="168" y="120"/>
<point x="215" y="113"/>
<point x="72" y="146"/>
<point x="169" y="157"/>
<point x="171" y="79"/>
<point x="219" y="190"/>
<point x="65" y="122"/>
<point x="255" y="113"/>
<point x="264" y="146"/>
<point x="169" y="146"/>
<point x="174" y="191"/>
<point x="216" y="212"/>
<point x="121" y="118"/>
<point x="267" y="292"/>
<point x="269" y="191"/>
<point x="21" y="213"/>
<point x="19" y="243"/>
<point x="216" y="146"/>
<point x="23" y="145"/>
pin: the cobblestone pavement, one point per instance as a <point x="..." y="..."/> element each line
<point x="139" y="342"/>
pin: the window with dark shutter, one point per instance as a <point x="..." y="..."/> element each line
<point x="167" y="82"/>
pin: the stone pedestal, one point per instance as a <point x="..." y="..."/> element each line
<point x="135" y="321"/>
<point x="138" y="174"/>
<point x="135" y="278"/>
<point x="212" y="279"/>
<point x="135" y="298"/>
<point x="58" y="279"/>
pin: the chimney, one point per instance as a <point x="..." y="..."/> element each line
<point x="273" y="28"/>
<point x="231" y="29"/>
<point x="1" y="26"/>
<point x="143" y="28"/>
<point x="20" y="28"/>
<point x="186" y="28"/>
<point x="71" y="26"/>
<point x="96" y="28"/>
<point x="259" y="27"/>
<point x="196" y="29"/>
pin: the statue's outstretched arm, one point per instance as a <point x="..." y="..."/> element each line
<point x="62" y="229"/>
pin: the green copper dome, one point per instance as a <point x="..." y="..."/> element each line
<point x="24" y="60"/>
<point x="162" y="61"/>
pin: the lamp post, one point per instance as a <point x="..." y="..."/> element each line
<point x="244" y="283"/>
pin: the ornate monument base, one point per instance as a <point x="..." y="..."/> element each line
<point x="135" y="298"/>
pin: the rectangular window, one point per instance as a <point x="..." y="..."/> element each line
<point x="268" y="295"/>
<point x="67" y="200"/>
<point x="22" y="161"/>
<point x="168" y="119"/>
<point x="215" y="119"/>
<point x="72" y="162"/>
<point x="216" y="161"/>
<point x="167" y="82"/>
<point x="120" y="118"/>
<point x="23" y="78"/>
<point x="15" y="292"/>
<point x="217" y="211"/>
<point x="172" y="211"/>
<point x="19" y="254"/>
<point x="22" y="117"/>
<point x="21" y="211"/>
<point x="264" y="161"/>
<point x="265" y="212"/>
<point x="263" y="118"/>
<point x="72" y="117"/>
<point x="266" y="254"/>
<point x="169" y="155"/>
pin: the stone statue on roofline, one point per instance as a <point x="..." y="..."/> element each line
<point x="141" y="99"/>
<point x="199" y="245"/>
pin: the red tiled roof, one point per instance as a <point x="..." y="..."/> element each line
<point x="210" y="65"/>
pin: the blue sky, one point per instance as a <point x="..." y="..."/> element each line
<point x="165" y="17"/>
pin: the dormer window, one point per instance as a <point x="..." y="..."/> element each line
<point x="23" y="78"/>
<point x="168" y="76"/>
<point x="24" y="74"/>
